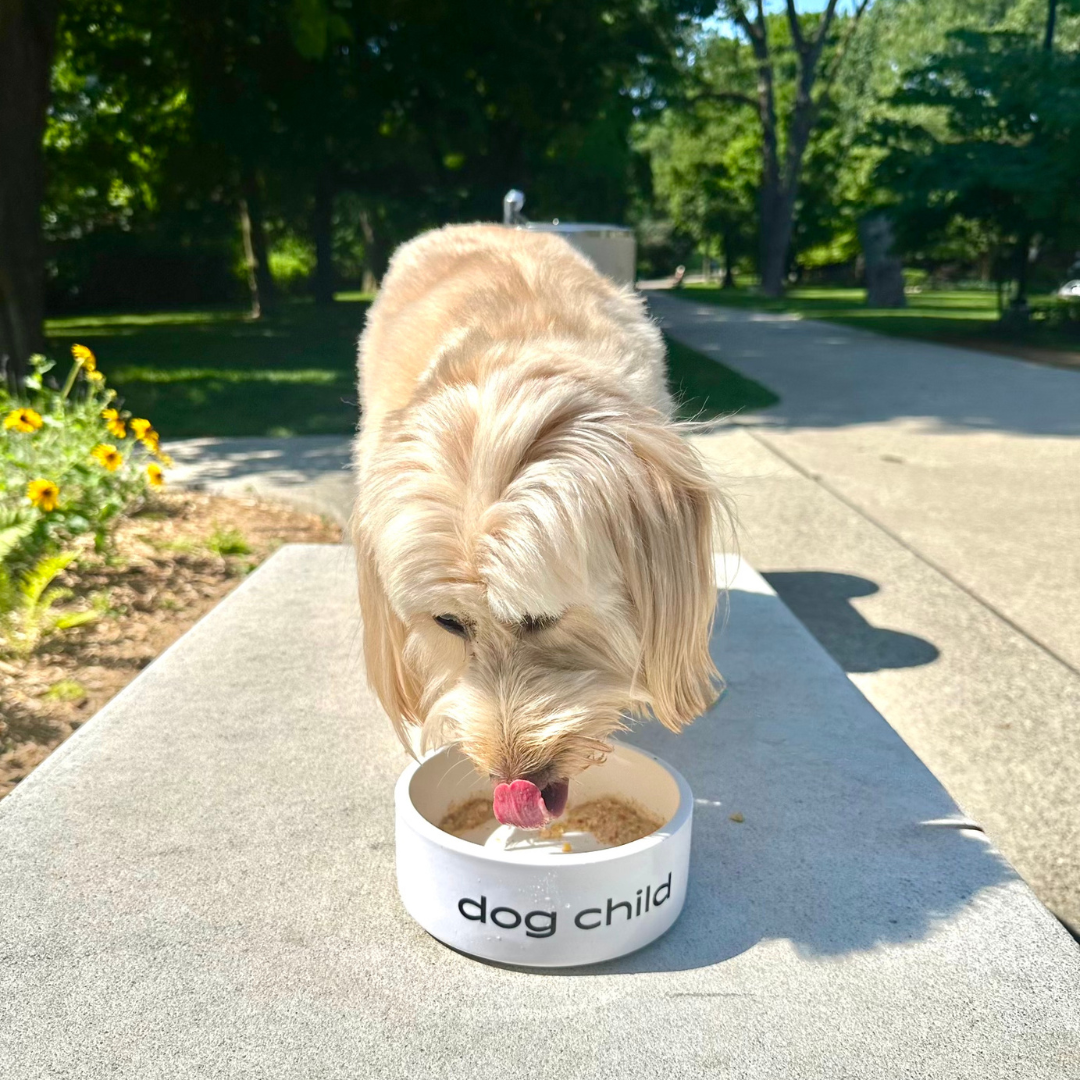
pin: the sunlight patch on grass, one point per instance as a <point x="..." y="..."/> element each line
<point x="934" y="315"/>
<point x="105" y="324"/>
<point x="226" y="375"/>
<point x="217" y="372"/>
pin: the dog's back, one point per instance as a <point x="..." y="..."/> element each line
<point x="510" y="286"/>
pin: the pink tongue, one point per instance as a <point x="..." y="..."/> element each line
<point x="520" y="803"/>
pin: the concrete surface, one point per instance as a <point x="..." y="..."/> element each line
<point x="310" y="472"/>
<point x="200" y="884"/>
<point x="918" y="506"/>
<point x="972" y="458"/>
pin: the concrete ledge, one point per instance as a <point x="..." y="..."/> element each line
<point x="200" y="884"/>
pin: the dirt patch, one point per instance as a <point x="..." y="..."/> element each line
<point x="172" y="563"/>
<point x="1059" y="358"/>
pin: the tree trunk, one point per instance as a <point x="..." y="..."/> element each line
<point x="1051" y="19"/>
<point x="729" y="262"/>
<point x="1023" y="261"/>
<point x="253" y="232"/>
<point x="376" y="256"/>
<point x="322" y="226"/>
<point x="777" y="225"/>
<point x="27" y="38"/>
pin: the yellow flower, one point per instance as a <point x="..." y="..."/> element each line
<point x="25" y="420"/>
<point x="95" y="376"/>
<point x="44" y="494"/>
<point x="84" y="357"/>
<point x="155" y="475"/>
<point x="107" y="456"/>
<point x="150" y="441"/>
<point x="164" y="459"/>
<point x="140" y="427"/>
<point x="114" y="423"/>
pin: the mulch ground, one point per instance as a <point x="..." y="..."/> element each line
<point x="172" y="562"/>
<point x="1059" y="358"/>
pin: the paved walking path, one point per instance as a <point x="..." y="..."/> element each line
<point x="311" y="472"/>
<point x="200" y="883"/>
<point x="919" y="507"/>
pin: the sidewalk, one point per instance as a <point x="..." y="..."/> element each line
<point x="918" y="507"/>
<point x="200" y="883"/>
<point x="310" y="472"/>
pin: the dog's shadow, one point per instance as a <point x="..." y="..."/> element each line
<point x="822" y="601"/>
<point x="846" y="840"/>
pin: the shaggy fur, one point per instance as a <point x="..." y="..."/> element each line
<point x="520" y="473"/>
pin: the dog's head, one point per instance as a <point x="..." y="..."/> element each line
<point x="535" y="559"/>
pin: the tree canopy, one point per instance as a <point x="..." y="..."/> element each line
<point x="176" y="151"/>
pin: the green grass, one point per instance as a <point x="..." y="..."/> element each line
<point x="66" y="690"/>
<point x="215" y="372"/>
<point x="947" y="315"/>
<point x="227" y="542"/>
<point x="706" y="389"/>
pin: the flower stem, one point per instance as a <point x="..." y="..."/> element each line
<point x="70" y="381"/>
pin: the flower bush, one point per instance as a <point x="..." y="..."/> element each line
<point x="71" y="461"/>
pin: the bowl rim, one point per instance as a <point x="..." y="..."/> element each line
<point x="411" y="817"/>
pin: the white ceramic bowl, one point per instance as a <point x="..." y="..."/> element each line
<point x="543" y="908"/>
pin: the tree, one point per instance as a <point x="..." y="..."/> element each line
<point x="1004" y="152"/>
<point x="783" y="145"/>
<point x="27" y="36"/>
<point x="339" y="119"/>
<point x="703" y="163"/>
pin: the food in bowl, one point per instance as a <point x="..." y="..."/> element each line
<point x="605" y="822"/>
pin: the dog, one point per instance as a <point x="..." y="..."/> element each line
<point x="534" y="537"/>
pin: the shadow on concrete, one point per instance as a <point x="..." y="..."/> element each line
<point x="310" y="472"/>
<point x="296" y="459"/>
<point x="847" y="841"/>
<point x="822" y="602"/>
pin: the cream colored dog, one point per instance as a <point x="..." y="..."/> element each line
<point x="534" y="539"/>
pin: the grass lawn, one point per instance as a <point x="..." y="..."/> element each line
<point x="215" y="372"/>
<point x="706" y="389"/>
<point x="959" y="316"/>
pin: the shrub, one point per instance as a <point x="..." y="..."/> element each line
<point x="1059" y="312"/>
<point x="70" y="463"/>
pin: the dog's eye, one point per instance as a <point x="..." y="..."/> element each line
<point x="532" y="623"/>
<point x="454" y="626"/>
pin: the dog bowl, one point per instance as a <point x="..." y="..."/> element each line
<point x="540" y="907"/>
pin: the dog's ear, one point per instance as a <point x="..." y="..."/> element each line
<point x="667" y="558"/>
<point x="385" y="635"/>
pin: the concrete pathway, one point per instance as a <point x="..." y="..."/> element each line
<point x="918" y="507"/>
<point x="310" y="472"/>
<point x="200" y="883"/>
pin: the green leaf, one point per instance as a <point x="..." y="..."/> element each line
<point x="75" y="618"/>
<point x="37" y="580"/>
<point x="11" y="536"/>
